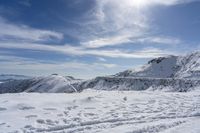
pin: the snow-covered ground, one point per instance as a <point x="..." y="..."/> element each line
<point x="100" y="111"/>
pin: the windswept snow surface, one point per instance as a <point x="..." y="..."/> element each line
<point x="94" y="111"/>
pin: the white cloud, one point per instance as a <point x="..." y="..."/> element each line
<point x="115" y="22"/>
<point x="11" y="31"/>
<point x="81" y="51"/>
<point x="29" y="63"/>
<point x="121" y="40"/>
<point x="160" y="40"/>
<point x="111" y="19"/>
<point x="144" y="3"/>
<point x="101" y="59"/>
<point x="110" y="41"/>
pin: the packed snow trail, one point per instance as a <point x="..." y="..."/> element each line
<point x="100" y="111"/>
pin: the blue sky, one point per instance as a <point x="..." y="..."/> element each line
<point x="88" y="38"/>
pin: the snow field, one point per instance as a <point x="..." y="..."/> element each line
<point x="100" y="111"/>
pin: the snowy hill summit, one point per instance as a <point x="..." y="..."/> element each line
<point x="46" y="84"/>
<point x="171" y="73"/>
<point x="168" y="67"/>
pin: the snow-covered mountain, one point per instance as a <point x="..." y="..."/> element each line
<point x="168" y="67"/>
<point x="163" y="67"/>
<point x="47" y="84"/>
<point x="172" y="73"/>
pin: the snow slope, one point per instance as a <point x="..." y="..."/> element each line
<point x="99" y="111"/>
<point x="190" y="66"/>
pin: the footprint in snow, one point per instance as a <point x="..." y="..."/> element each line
<point x="40" y="121"/>
<point x="2" y="124"/>
<point x="51" y="109"/>
<point x="31" y="116"/>
<point x="24" y="107"/>
<point x="3" y="109"/>
<point x="89" y="108"/>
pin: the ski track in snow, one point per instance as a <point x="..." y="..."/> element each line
<point x="100" y="111"/>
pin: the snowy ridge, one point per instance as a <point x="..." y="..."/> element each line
<point x="172" y="73"/>
<point x="129" y="83"/>
<point x="48" y="84"/>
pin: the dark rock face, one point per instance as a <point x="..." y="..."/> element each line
<point x="157" y="60"/>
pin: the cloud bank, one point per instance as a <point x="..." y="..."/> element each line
<point x="16" y="32"/>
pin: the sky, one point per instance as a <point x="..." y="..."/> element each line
<point x="89" y="38"/>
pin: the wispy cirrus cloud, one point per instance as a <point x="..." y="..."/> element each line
<point x="120" y="40"/>
<point x="116" y="22"/>
<point x="10" y="31"/>
<point x="109" y="41"/>
<point x="160" y="40"/>
<point x="41" y="64"/>
<point x="82" y="51"/>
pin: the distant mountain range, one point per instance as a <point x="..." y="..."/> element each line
<point x="171" y="73"/>
<point x="8" y="77"/>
